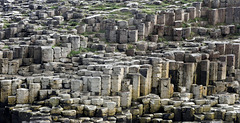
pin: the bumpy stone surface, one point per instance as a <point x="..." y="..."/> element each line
<point x="119" y="61"/>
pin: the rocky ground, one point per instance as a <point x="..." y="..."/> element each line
<point x="119" y="61"/>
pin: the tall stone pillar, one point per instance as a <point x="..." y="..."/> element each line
<point x="165" y="69"/>
<point x="136" y="86"/>
<point x="106" y="85"/>
<point x="188" y="75"/>
<point x="213" y="16"/>
<point x="144" y="83"/>
<point x="204" y="73"/>
<point x="5" y="91"/>
<point x="156" y="75"/>
<point x="222" y="71"/>
<point x="4" y="66"/>
<point x="213" y="71"/>
<point x="192" y="12"/>
<point x="33" y="91"/>
<point x="236" y="52"/>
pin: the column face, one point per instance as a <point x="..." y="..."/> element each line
<point x="165" y="69"/>
<point x="145" y="79"/>
<point x="197" y="91"/>
<point x="5" y="90"/>
<point x="106" y="85"/>
<point x="95" y="85"/>
<point x="13" y="67"/>
<point x="169" y="18"/>
<point x="47" y="54"/>
<point x="192" y="12"/>
<point x="213" y="71"/>
<point x="75" y="40"/>
<point x="236" y="52"/>
<point x="33" y="91"/>
<point x="116" y="83"/>
<point x="161" y="19"/>
<point x="203" y="77"/>
<point x="143" y="86"/>
<point x="126" y="99"/>
<point x="76" y="85"/>
<point x="179" y="14"/>
<point x="141" y="31"/>
<point x="122" y="36"/>
<point x="222" y="71"/>
<point x="165" y="88"/>
<point x="4" y="65"/>
<point x="156" y="75"/>
<point x="230" y="64"/>
<point x="136" y="86"/>
<point x="213" y="16"/>
<point x="229" y="15"/>
<point x="188" y="75"/>
<point x="22" y="96"/>
<point x="132" y="35"/>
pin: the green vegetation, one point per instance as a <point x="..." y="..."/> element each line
<point x="185" y="25"/>
<point x="105" y="7"/>
<point x="190" y="1"/>
<point x="54" y="7"/>
<point x="166" y="42"/>
<point x="161" y="39"/>
<point x="149" y="11"/>
<point x="209" y="26"/>
<point x="92" y="33"/>
<point x="118" y="15"/>
<point x="70" y="27"/>
<point x="39" y="28"/>
<point x="232" y="36"/>
<point x="130" y="46"/>
<point x="25" y="15"/>
<point x="6" y="24"/>
<point x="74" y="53"/>
<point x="153" y="6"/>
<point x="192" y="34"/>
<point x="88" y="33"/>
<point x="5" y="47"/>
<point x="57" y="45"/>
<point x="238" y="26"/>
<point x="72" y="23"/>
<point x="212" y="26"/>
<point x="197" y="19"/>
<point x="81" y="23"/>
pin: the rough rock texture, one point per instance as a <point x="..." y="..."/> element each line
<point x="119" y="61"/>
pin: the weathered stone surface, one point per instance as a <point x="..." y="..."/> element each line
<point x="106" y="61"/>
<point x="22" y="96"/>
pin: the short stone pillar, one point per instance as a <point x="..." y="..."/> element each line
<point x="33" y="91"/>
<point x="47" y="54"/>
<point x="22" y="96"/>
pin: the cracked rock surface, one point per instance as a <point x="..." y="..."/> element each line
<point x="119" y="61"/>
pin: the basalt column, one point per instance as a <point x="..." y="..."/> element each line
<point x="203" y="77"/>
<point x="6" y="86"/>
<point x="165" y="88"/>
<point x="174" y="74"/>
<point x="188" y="75"/>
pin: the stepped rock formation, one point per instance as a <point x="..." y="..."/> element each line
<point x="119" y="61"/>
